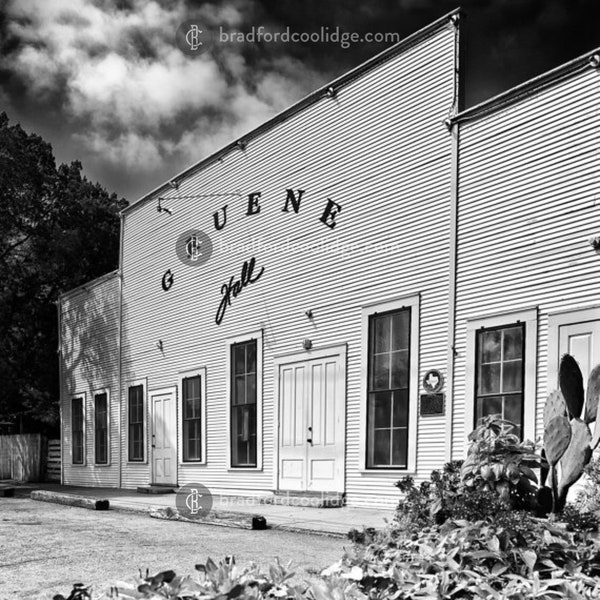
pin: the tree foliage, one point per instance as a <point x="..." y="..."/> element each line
<point x="57" y="231"/>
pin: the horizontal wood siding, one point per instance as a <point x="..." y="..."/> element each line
<point x="90" y="361"/>
<point x="379" y="149"/>
<point x="528" y="204"/>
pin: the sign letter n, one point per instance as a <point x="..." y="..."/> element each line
<point x="291" y="197"/>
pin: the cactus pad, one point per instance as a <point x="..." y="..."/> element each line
<point x="576" y="456"/>
<point x="557" y="436"/>
<point x="592" y="395"/>
<point x="555" y="407"/>
<point x="571" y="385"/>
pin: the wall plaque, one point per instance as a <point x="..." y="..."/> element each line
<point x="432" y="404"/>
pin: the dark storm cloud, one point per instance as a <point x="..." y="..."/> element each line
<point x="104" y="81"/>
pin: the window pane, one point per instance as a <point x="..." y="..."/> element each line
<point x="240" y="390"/>
<point x="239" y="359"/>
<point x="489" y="379"/>
<point x="381" y="333"/>
<point x="399" y="447"/>
<point x="251" y="357"/>
<point x="492" y="405"/>
<point x="399" y="369"/>
<point x="381" y="451"/>
<point x="400" y="330"/>
<point x="513" y="343"/>
<point x="512" y="376"/>
<point x="490" y="346"/>
<point x="512" y="409"/>
<point x="381" y="372"/>
<point x="251" y="389"/>
<point x="381" y="409"/>
<point x="400" y="408"/>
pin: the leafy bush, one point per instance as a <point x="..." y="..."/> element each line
<point x="498" y="461"/>
<point x="430" y="501"/>
<point x="579" y="520"/>
<point x="588" y="499"/>
<point x="515" y="559"/>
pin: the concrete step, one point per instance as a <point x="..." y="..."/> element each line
<point x="306" y="499"/>
<point x="155" y="489"/>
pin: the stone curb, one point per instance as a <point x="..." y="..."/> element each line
<point x="71" y="500"/>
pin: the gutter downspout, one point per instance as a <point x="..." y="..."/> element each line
<point x="120" y="353"/>
<point x="452" y="257"/>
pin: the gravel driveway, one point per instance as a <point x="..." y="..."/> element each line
<point x="44" y="548"/>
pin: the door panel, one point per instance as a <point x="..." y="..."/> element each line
<point x="312" y="413"/>
<point x="164" y="439"/>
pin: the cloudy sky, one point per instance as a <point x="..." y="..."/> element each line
<point x="105" y="83"/>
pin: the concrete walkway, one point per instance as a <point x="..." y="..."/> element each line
<point x="324" y="521"/>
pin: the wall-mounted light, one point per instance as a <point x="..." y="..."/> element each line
<point x="241" y="144"/>
<point x="174" y="184"/>
<point x="161" y="208"/>
<point x="594" y="61"/>
<point x="595" y="243"/>
<point x="331" y="92"/>
<point x="307" y="344"/>
<point x="454" y="19"/>
<point x="309" y="314"/>
<point x="448" y="124"/>
<point x="159" y="345"/>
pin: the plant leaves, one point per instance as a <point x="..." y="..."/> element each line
<point x="592" y="395"/>
<point x="557" y="436"/>
<point x="571" y="385"/>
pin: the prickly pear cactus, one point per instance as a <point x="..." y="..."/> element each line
<point x="568" y="441"/>
<point x="576" y="456"/>
<point x="570" y="381"/>
<point x="555" y="407"/>
<point x="557" y="435"/>
<point x="592" y="395"/>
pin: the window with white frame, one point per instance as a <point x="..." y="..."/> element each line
<point x="500" y="360"/>
<point x="77" y="431"/>
<point x="135" y="415"/>
<point x="191" y="414"/>
<point x="243" y="393"/>
<point x="501" y="369"/>
<point x="388" y="389"/>
<point x="101" y="428"/>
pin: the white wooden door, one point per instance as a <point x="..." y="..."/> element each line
<point x="312" y="425"/>
<point x="164" y="438"/>
<point x="580" y="339"/>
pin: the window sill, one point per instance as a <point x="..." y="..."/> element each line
<point x="390" y="471"/>
<point x="102" y="465"/>
<point x="244" y="469"/>
<point x="192" y="463"/>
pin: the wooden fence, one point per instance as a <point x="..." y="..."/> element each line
<point x="29" y="457"/>
<point x="53" y="461"/>
<point x="21" y="457"/>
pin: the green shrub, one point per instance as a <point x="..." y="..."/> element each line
<point x="588" y="499"/>
<point x="498" y="461"/>
<point x="517" y="557"/>
<point x="579" y="520"/>
<point x="430" y="501"/>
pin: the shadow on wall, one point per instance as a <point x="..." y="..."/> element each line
<point x="90" y="339"/>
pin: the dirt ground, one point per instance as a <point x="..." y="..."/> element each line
<point x="45" y="548"/>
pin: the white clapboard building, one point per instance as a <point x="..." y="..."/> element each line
<point x="330" y="302"/>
